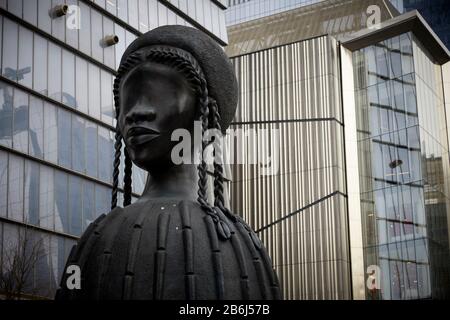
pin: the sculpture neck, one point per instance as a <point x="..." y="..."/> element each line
<point x="174" y="182"/>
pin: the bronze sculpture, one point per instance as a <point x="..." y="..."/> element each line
<point x="171" y="243"/>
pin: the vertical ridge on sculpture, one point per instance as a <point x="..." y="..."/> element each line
<point x="217" y="258"/>
<point x="160" y="263"/>
<point x="188" y="245"/>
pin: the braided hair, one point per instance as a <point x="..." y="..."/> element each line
<point x="186" y="64"/>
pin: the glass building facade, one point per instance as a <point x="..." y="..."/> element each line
<point x="56" y="115"/>
<point x="338" y="18"/>
<point x="359" y="207"/>
<point x="404" y="174"/>
<point x="240" y="11"/>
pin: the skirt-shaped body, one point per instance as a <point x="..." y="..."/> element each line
<point x="169" y="250"/>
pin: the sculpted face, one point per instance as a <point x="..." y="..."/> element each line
<point x="154" y="101"/>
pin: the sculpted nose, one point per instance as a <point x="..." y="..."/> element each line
<point x="140" y="114"/>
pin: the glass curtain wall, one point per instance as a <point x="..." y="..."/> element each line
<point x="403" y="163"/>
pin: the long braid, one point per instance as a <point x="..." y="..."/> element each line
<point x="202" y="168"/>
<point x="127" y="179"/>
<point x="116" y="170"/>
<point x="218" y="169"/>
<point x="219" y="199"/>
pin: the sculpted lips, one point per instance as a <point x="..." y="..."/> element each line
<point x="140" y="135"/>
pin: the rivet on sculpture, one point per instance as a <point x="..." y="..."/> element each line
<point x="171" y="243"/>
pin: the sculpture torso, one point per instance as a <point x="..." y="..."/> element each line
<point x="168" y="249"/>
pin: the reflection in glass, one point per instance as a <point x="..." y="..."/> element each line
<point x="54" y="71"/>
<point x="68" y="79"/>
<point x="88" y="204"/>
<point x="78" y="141"/>
<point x="46" y="197"/>
<point x="105" y="152"/>
<point x="106" y="97"/>
<point x="36" y="130"/>
<point x="81" y="67"/>
<point x="15" y="187"/>
<point x="9" y="53"/>
<point x="3" y="183"/>
<point x="6" y="114"/>
<point x="20" y="124"/>
<point x="50" y="133"/>
<point x="31" y="195"/>
<point x="61" y="201"/>
<point x="24" y="73"/>
<point x="91" y="149"/>
<point x="94" y="91"/>
<point x="40" y="65"/>
<point x="85" y="28"/>
<point x="64" y="138"/>
<point x="75" y="205"/>
<point x="44" y="19"/>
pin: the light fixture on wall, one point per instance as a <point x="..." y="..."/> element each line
<point x="395" y="163"/>
<point x="59" y="10"/>
<point x="109" y="40"/>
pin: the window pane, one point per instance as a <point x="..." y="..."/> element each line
<point x="75" y="208"/>
<point x="105" y="154"/>
<point x="57" y="260"/>
<point x="68" y="86"/>
<point x="9" y="54"/>
<point x="94" y="91"/>
<point x="36" y="143"/>
<point x="20" y="127"/>
<point x="31" y="196"/>
<point x="88" y="203"/>
<point x="91" y="149"/>
<point x="15" y="188"/>
<point x="120" y="46"/>
<point x="162" y="14"/>
<point x="85" y="28"/>
<point x="46" y="198"/>
<point x="24" y="75"/>
<point x="3" y="183"/>
<point x="78" y="144"/>
<point x="96" y="30"/>
<point x="143" y="16"/>
<point x="102" y="200"/>
<point x="153" y="13"/>
<point x="108" y="52"/>
<point x="122" y="10"/>
<point x="64" y="138"/>
<point x="40" y="65"/>
<point x="101" y="3"/>
<point x="61" y="202"/>
<point x="44" y="19"/>
<point x="68" y="79"/>
<point x="54" y="71"/>
<point x="133" y="14"/>
<point x="81" y="70"/>
<point x="50" y="133"/>
<point x="111" y="6"/>
<point x="30" y="10"/>
<point x="15" y="7"/>
<point x="107" y="98"/>
<point x="42" y="268"/>
<point x="6" y="114"/>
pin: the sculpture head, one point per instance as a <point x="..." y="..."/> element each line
<point x="167" y="79"/>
